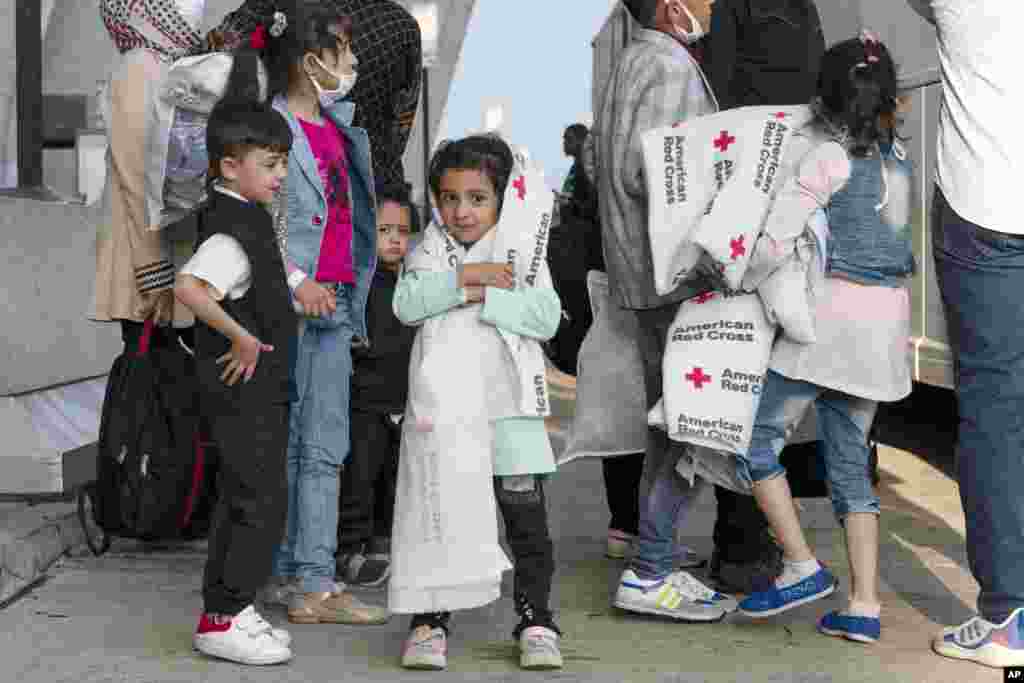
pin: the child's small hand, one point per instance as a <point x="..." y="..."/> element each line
<point x="315" y="299"/>
<point x="242" y="358"/>
<point x="475" y="294"/>
<point x="498" y="275"/>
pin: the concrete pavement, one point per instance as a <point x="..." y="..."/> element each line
<point x="129" y="615"/>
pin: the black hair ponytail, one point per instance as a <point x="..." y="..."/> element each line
<point x="857" y="92"/>
<point x="243" y="82"/>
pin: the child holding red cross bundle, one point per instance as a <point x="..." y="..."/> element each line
<point x="473" y="437"/>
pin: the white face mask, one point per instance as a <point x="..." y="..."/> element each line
<point x="329" y="98"/>
<point x="692" y="36"/>
<point x="192" y="11"/>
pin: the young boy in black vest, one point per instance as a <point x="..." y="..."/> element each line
<point x="380" y="385"/>
<point x="235" y="284"/>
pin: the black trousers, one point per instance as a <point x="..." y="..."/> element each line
<point x="622" y="475"/>
<point x="249" y="520"/>
<point x="131" y="331"/>
<point x="533" y="557"/>
<point x="366" y="506"/>
<point x="741" y="531"/>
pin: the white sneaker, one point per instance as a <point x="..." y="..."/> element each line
<point x="979" y="640"/>
<point x="695" y="590"/>
<point x="246" y="639"/>
<point x="677" y="596"/>
<point x="538" y="649"/>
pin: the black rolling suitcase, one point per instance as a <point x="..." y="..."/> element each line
<point x="153" y="470"/>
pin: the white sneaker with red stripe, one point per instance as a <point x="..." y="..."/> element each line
<point x="247" y="639"/>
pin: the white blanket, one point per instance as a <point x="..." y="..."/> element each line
<point x="715" y="359"/>
<point x="464" y="374"/>
<point x="521" y="239"/>
<point x="710" y="182"/>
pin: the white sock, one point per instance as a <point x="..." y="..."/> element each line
<point x="793" y="572"/>
<point x="862" y="609"/>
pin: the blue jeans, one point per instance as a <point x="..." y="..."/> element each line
<point x="981" y="278"/>
<point x="318" y="445"/>
<point x="844" y="423"/>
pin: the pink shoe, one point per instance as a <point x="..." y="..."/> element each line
<point x="426" y="648"/>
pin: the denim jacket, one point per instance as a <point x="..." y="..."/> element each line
<point x="306" y="212"/>
<point x="869" y="220"/>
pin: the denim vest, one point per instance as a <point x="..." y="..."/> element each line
<point x="867" y="244"/>
<point x="307" y="212"/>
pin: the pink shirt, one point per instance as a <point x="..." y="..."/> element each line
<point x="328" y="145"/>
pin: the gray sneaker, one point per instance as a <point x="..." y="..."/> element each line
<point x="678" y="596"/>
<point x="538" y="647"/>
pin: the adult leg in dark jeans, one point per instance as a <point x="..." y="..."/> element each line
<point x="250" y="515"/>
<point x="357" y="500"/>
<point x="524" y="510"/>
<point x="981" y="277"/>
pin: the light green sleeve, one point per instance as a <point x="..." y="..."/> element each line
<point x="531" y="312"/>
<point x="419" y="296"/>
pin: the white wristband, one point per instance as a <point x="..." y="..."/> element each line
<point x="295" y="279"/>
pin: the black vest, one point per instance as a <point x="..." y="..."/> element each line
<point x="265" y="310"/>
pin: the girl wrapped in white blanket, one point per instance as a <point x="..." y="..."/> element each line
<point x="474" y="429"/>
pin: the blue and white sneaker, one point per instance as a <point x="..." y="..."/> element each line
<point x="859" y="629"/>
<point x="979" y="640"/>
<point x="678" y="596"/>
<point x="778" y="600"/>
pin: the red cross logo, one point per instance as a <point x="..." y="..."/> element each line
<point x="781" y="115"/>
<point x="737" y="247"/>
<point x="520" y="185"/>
<point x="704" y="298"/>
<point x="698" y="377"/>
<point x="723" y="141"/>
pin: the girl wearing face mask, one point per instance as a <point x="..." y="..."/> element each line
<point x="327" y="221"/>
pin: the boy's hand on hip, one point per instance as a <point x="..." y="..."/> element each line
<point x="242" y="358"/>
<point x="315" y="299"/>
<point x="500" y="275"/>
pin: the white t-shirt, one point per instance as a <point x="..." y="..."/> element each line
<point x="980" y="139"/>
<point x="221" y="263"/>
